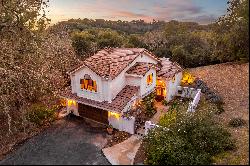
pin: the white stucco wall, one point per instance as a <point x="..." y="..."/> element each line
<point x="73" y="83"/>
<point x="114" y="121"/>
<point x="142" y="82"/>
<point x="107" y="93"/>
<point x="172" y="86"/>
<point x="76" y="87"/>
<point x="146" y="58"/>
<point x="123" y="124"/>
<point x="144" y="88"/>
<point x="127" y="125"/>
<point x="108" y="89"/>
<point x="133" y="80"/>
<point x="117" y="84"/>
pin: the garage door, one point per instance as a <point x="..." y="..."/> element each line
<point x="93" y="113"/>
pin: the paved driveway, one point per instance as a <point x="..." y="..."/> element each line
<point x="68" y="141"/>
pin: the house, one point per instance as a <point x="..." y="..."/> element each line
<point x="111" y="82"/>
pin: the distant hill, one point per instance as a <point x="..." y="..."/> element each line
<point x="128" y="27"/>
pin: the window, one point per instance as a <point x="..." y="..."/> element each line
<point x="173" y="79"/>
<point x="88" y="84"/>
<point x="150" y="79"/>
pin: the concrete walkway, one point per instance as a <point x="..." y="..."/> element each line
<point x="123" y="153"/>
<point x="161" y="109"/>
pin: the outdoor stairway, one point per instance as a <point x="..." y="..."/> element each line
<point x="161" y="109"/>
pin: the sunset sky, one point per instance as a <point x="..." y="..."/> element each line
<point x="201" y="11"/>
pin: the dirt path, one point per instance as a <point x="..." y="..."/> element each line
<point x="231" y="81"/>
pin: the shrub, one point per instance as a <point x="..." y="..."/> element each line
<point x="209" y="94"/>
<point x="167" y="119"/>
<point x="110" y="126"/>
<point x="164" y="102"/>
<point x="192" y="138"/>
<point x="220" y="108"/>
<point x="237" y="122"/>
<point x="39" y="114"/>
<point x="148" y="104"/>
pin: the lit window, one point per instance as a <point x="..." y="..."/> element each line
<point x="150" y="79"/>
<point x="173" y="79"/>
<point x="88" y="84"/>
<point x="71" y="103"/>
<point x="112" y="114"/>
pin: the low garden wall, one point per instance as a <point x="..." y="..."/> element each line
<point x="123" y="123"/>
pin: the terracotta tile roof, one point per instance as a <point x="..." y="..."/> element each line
<point x="110" y="62"/>
<point x="117" y="104"/>
<point x="140" y="68"/>
<point x="168" y="69"/>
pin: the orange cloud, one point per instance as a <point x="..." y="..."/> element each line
<point x="129" y="16"/>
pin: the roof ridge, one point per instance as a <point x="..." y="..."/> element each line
<point x="110" y="62"/>
<point x="109" y="66"/>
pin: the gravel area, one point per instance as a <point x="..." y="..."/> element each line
<point x="69" y="141"/>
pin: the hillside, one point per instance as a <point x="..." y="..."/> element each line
<point x="231" y="81"/>
<point x="128" y="27"/>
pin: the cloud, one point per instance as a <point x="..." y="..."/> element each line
<point x="119" y="14"/>
<point x="202" y="19"/>
<point x="169" y="10"/>
<point x="181" y="7"/>
<point x="185" y="10"/>
<point x="113" y="12"/>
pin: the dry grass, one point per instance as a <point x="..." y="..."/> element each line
<point x="231" y="81"/>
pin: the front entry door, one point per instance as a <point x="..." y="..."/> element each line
<point x="160" y="93"/>
<point x="160" y="89"/>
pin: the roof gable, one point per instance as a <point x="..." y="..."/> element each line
<point x="168" y="68"/>
<point x="110" y="62"/>
<point x="140" y="68"/>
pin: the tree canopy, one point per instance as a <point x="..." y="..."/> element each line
<point x="188" y="43"/>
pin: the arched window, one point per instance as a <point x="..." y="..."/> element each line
<point x="88" y="84"/>
<point x="150" y="79"/>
